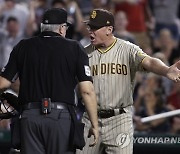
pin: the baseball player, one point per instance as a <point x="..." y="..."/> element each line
<point x="114" y="63"/>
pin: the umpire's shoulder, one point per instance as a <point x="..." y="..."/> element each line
<point x="21" y="43"/>
<point x="75" y="46"/>
<point x="89" y="48"/>
<point x="28" y="40"/>
<point x="71" y="41"/>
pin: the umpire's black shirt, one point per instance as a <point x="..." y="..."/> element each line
<point x="48" y="66"/>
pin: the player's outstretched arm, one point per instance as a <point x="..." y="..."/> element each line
<point x="157" y="66"/>
<point x="89" y="97"/>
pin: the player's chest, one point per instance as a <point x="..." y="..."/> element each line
<point x="108" y="63"/>
<point x="116" y="57"/>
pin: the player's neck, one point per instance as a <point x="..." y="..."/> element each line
<point x="107" y="43"/>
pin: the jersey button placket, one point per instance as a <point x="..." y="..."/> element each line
<point x="100" y="79"/>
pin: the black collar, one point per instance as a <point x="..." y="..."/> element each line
<point x="49" y="34"/>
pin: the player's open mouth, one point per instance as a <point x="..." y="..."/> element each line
<point x="92" y="38"/>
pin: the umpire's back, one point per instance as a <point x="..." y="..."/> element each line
<point x="49" y="65"/>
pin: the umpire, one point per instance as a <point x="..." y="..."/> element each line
<point x="49" y="67"/>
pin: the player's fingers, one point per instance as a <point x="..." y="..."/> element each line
<point x="177" y="79"/>
<point x="94" y="142"/>
<point x="89" y="134"/>
<point x="95" y="134"/>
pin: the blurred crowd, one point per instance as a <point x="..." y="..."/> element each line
<point x="154" y="25"/>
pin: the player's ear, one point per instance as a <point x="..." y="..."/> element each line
<point x="110" y="30"/>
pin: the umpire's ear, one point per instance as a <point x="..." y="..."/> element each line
<point x="62" y="30"/>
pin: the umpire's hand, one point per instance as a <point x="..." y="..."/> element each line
<point x="95" y="133"/>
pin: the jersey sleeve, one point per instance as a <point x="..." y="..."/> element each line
<point x="83" y="69"/>
<point x="10" y="71"/>
<point x="136" y="58"/>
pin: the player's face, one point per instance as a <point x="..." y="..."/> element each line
<point x="98" y="36"/>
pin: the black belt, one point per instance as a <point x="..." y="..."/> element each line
<point x="110" y="113"/>
<point x="37" y="105"/>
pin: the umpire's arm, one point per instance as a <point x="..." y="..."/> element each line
<point x="4" y="84"/>
<point x="157" y="66"/>
<point x="89" y="97"/>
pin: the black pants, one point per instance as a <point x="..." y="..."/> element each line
<point x="45" y="134"/>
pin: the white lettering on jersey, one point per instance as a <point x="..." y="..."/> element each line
<point x="3" y="69"/>
<point x="87" y="70"/>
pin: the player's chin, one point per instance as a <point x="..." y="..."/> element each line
<point x="94" y="42"/>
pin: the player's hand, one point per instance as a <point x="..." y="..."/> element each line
<point x="95" y="133"/>
<point x="174" y="72"/>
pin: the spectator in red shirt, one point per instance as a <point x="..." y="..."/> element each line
<point x="174" y="98"/>
<point x="138" y="13"/>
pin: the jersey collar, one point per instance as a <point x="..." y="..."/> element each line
<point x="49" y="34"/>
<point x="109" y="48"/>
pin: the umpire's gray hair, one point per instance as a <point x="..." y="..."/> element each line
<point x="50" y="27"/>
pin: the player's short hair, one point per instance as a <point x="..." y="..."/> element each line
<point x="50" y="27"/>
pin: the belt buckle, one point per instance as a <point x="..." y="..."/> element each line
<point x="125" y="110"/>
<point x="119" y="111"/>
<point x="116" y="112"/>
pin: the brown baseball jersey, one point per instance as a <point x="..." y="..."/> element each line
<point x="113" y="72"/>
